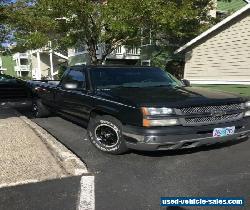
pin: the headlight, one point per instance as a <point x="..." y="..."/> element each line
<point x="247" y="104"/>
<point x="157" y="111"/>
<point x="247" y="114"/>
<point x="149" y="115"/>
<point x="162" y="122"/>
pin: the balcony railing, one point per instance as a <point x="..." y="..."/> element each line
<point x="3" y="69"/>
<point x="120" y="52"/>
<point x="21" y="56"/>
<point x="22" y="68"/>
<point x="134" y="51"/>
<point x="123" y="50"/>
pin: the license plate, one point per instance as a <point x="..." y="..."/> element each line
<point x="220" y="132"/>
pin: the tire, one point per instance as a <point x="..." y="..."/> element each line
<point x="105" y="133"/>
<point x="39" y="109"/>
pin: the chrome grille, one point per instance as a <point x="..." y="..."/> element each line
<point x="204" y="115"/>
<point x="210" y="109"/>
<point x="212" y="119"/>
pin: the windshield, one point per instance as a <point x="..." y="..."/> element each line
<point x="103" y="78"/>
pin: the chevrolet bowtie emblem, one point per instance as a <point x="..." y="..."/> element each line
<point x="217" y="113"/>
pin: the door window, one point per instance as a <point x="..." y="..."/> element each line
<point x="75" y="77"/>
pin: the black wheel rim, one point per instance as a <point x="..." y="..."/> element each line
<point x="106" y="135"/>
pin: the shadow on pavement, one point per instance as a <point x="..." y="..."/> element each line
<point x="6" y="113"/>
<point x="188" y="151"/>
<point x="52" y="194"/>
<point x="6" y="106"/>
<point x="175" y="208"/>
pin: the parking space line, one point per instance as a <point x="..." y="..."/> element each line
<point x="87" y="193"/>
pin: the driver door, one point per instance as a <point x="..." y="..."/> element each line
<point x="72" y="94"/>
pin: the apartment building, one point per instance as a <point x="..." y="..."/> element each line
<point x="34" y="64"/>
<point x="124" y="55"/>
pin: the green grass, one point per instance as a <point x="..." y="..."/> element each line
<point x="8" y="63"/>
<point x="230" y="6"/>
<point x="239" y="89"/>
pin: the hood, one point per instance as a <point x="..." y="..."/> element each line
<point x="169" y="97"/>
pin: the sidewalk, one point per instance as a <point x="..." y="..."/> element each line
<point x="35" y="166"/>
<point x="23" y="156"/>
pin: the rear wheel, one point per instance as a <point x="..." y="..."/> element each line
<point x="105" y="132"/>
<point x="39" y="109"/>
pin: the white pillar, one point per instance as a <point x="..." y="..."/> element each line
<point x="51" y="64"/>
<point x="16" y="69"/>
<point x="19" y="65"/>
<point x="38" y="72"/>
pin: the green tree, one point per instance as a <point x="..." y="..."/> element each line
<point x="175" y="23"/>
<point x="4" y="25"/>
<point x="67" y="22"/>
<point x="106" y="25"/>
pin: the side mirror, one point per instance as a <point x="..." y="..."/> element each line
<point x="70" y="86"/>
<point x="186" y="82"/>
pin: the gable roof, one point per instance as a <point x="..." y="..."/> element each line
<point x="212" y="29"/>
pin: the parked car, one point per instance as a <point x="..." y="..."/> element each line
<point x="13" y="88"/>
<point x="143" y="108"/>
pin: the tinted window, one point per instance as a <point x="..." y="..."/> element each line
<point x="131" y="77"/>
<point x="75" y="77"/>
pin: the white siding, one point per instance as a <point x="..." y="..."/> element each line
<point x="225" y="56"/>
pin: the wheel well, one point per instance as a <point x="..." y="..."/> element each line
<point x="97" y="112"/>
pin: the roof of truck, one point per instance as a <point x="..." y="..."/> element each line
<point x="111" y="66"/>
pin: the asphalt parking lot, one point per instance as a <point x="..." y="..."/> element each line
<point x="137" y="180"/>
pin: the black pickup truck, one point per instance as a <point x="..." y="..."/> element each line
<point x="143" y="108"/>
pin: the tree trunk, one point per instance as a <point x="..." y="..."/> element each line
<point x="92" y="54"/>
<point x="93" y="58"/>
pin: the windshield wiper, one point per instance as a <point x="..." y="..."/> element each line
<point x="130" y="87"/>
<point x="114" y="87"/>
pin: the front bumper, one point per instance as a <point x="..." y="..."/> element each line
<point x="181" y="137"/>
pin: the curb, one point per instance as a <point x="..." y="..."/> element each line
<point x="73" y="189"/>
<point x="70" y="162"/>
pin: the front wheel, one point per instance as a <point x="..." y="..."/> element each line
<point x="105" y="132"/>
